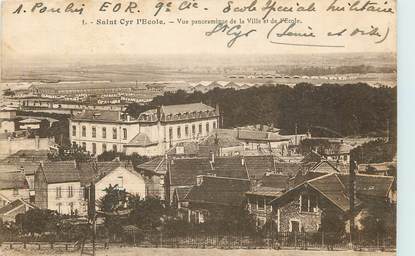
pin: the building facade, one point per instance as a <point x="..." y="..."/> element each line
<point x="152" y="133"/>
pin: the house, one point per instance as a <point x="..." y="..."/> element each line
<point x="28" y="169"/>
<point x="211" y="197"/>
<point x="258" y="201"/>
<point x="106" y="174"/>
<point x="385" y="169"/>
<point x="180" y="203"/>
<point x="152" y="133"/>
<point x="306" y="206"/>
<point x="7" y="120"/>
<point x="13" y="186"/>
<point x="182" y="172"/>
<point x="58" y="187"/>
<point x="9" y="212"/>
<point x="154" y="172"/>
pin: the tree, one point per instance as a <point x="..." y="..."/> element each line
<point x="115" y="199"/>
<point x="377" y="151"/>
<point x="38" y="221"/>
<point x="147" y="214"/>
<point x="70" y="152"/>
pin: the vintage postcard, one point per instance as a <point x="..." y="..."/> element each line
<point x="196" y="127"/>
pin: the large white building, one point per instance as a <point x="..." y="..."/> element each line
<point x="152" y="133"/>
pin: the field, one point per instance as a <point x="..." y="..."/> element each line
<point x="130" y="251"/>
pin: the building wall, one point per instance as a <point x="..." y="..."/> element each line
<point x="7" y="126"/>
<point x="156" y="132"/>
<point x="62" y="203"/>
<point x="133" y="183"/>
<point x="9" y="147"/>
<point x="261" y="215"/>
<point x="12" y="194"/>
<point x="132" y="130"/>
<point x="309" y="222"/>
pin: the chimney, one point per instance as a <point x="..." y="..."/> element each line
<point x="242" y="161"/>
<point x="199" y="180"/>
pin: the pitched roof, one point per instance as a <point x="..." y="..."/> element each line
<point x="313" y="157"/>
<point x="259" y="136"/>
<point x="141" y="140"/>
<point x="60" y="172"/>
<point x="183" y="171"/>
<point x="370" y="185"/>
<point x="257" y="166"/>
<point x="334" y="187"/>
<point x="219" y="190"/>
<point x="265" y="191"/>
<point x="103" y="116"/>
<point x="29" y="168"/>
<point x="185" y="108"/>
<point x="13" y="180"/>
<point x="184" y="148"/>
<point x="277" y="181"/>
<point x="157" y="165"/>
<point x="94" y="171"/>
<point x="222" y="140"/>
<point x="13" y="205"/>
<point x="324" y="166"/>
<point x="182" y="192"/>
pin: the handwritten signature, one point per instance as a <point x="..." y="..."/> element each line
<point x="284" y="33"/>
<point x="235" y="32"/>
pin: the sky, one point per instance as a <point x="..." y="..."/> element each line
<point x="63" y="35"/>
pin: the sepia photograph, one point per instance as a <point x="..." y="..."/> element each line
<point x="190" y="127"/>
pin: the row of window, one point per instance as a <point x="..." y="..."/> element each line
<point x="71" y="209"/>
<point x="308" y="203"/>
<point x="103" y="134"/>
<point x="186" y="130"/>
<point x="94" y="147"/>
<point x="69" y="192"/>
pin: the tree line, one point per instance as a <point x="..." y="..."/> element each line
<point x="347" y="110"/>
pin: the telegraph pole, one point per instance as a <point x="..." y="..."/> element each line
<point x="352" y="186"/>
<point x="92" y="214"/>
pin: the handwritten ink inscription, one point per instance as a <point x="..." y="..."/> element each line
<point x="264" y="20"/>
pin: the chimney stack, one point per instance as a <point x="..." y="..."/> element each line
<point x="199" y="180"/>
<point x="242" y="161"/>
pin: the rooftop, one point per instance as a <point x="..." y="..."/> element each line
<point x="219" y="190"/>
<point x="13" y="180"/>
<point x="60" y="172"/>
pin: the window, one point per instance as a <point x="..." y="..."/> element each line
<point x="58" y="192"/>
<point x="186" y="131"/>
<point x="170" y="133"/>
<point x="294" y="226"/>
<point x="207" y="127"/>
<point x="114" y="147"/>
<point x="104" y="147"/>
<point x="124" y="131"/>
<point x="214" y="125"/>
<point x="308" y="203"/>
<point x="200" y="128"/>
<point x="73" y="130"/>
<point x="120" y="181"/>
<point x="83" y="131"/>
<point x="260" y="204"/>
<point x="179" y="132"/>
<point x="94" y="148"/>
<point x="114" y="133"/>
<point x="94" y="132"/>
<point x="70" y="191"/>
<point x="84" y="146"/>
<point x="193" y="130"/>
<point x="104" y="132"/>
<point x="59" y="207"/>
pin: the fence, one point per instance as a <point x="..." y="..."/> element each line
<point x="280" y="240"/>
<point x="296" y="240"/>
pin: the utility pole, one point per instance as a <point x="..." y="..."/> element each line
<point x="92" y="214"/>
<point x="352" y="193"/>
